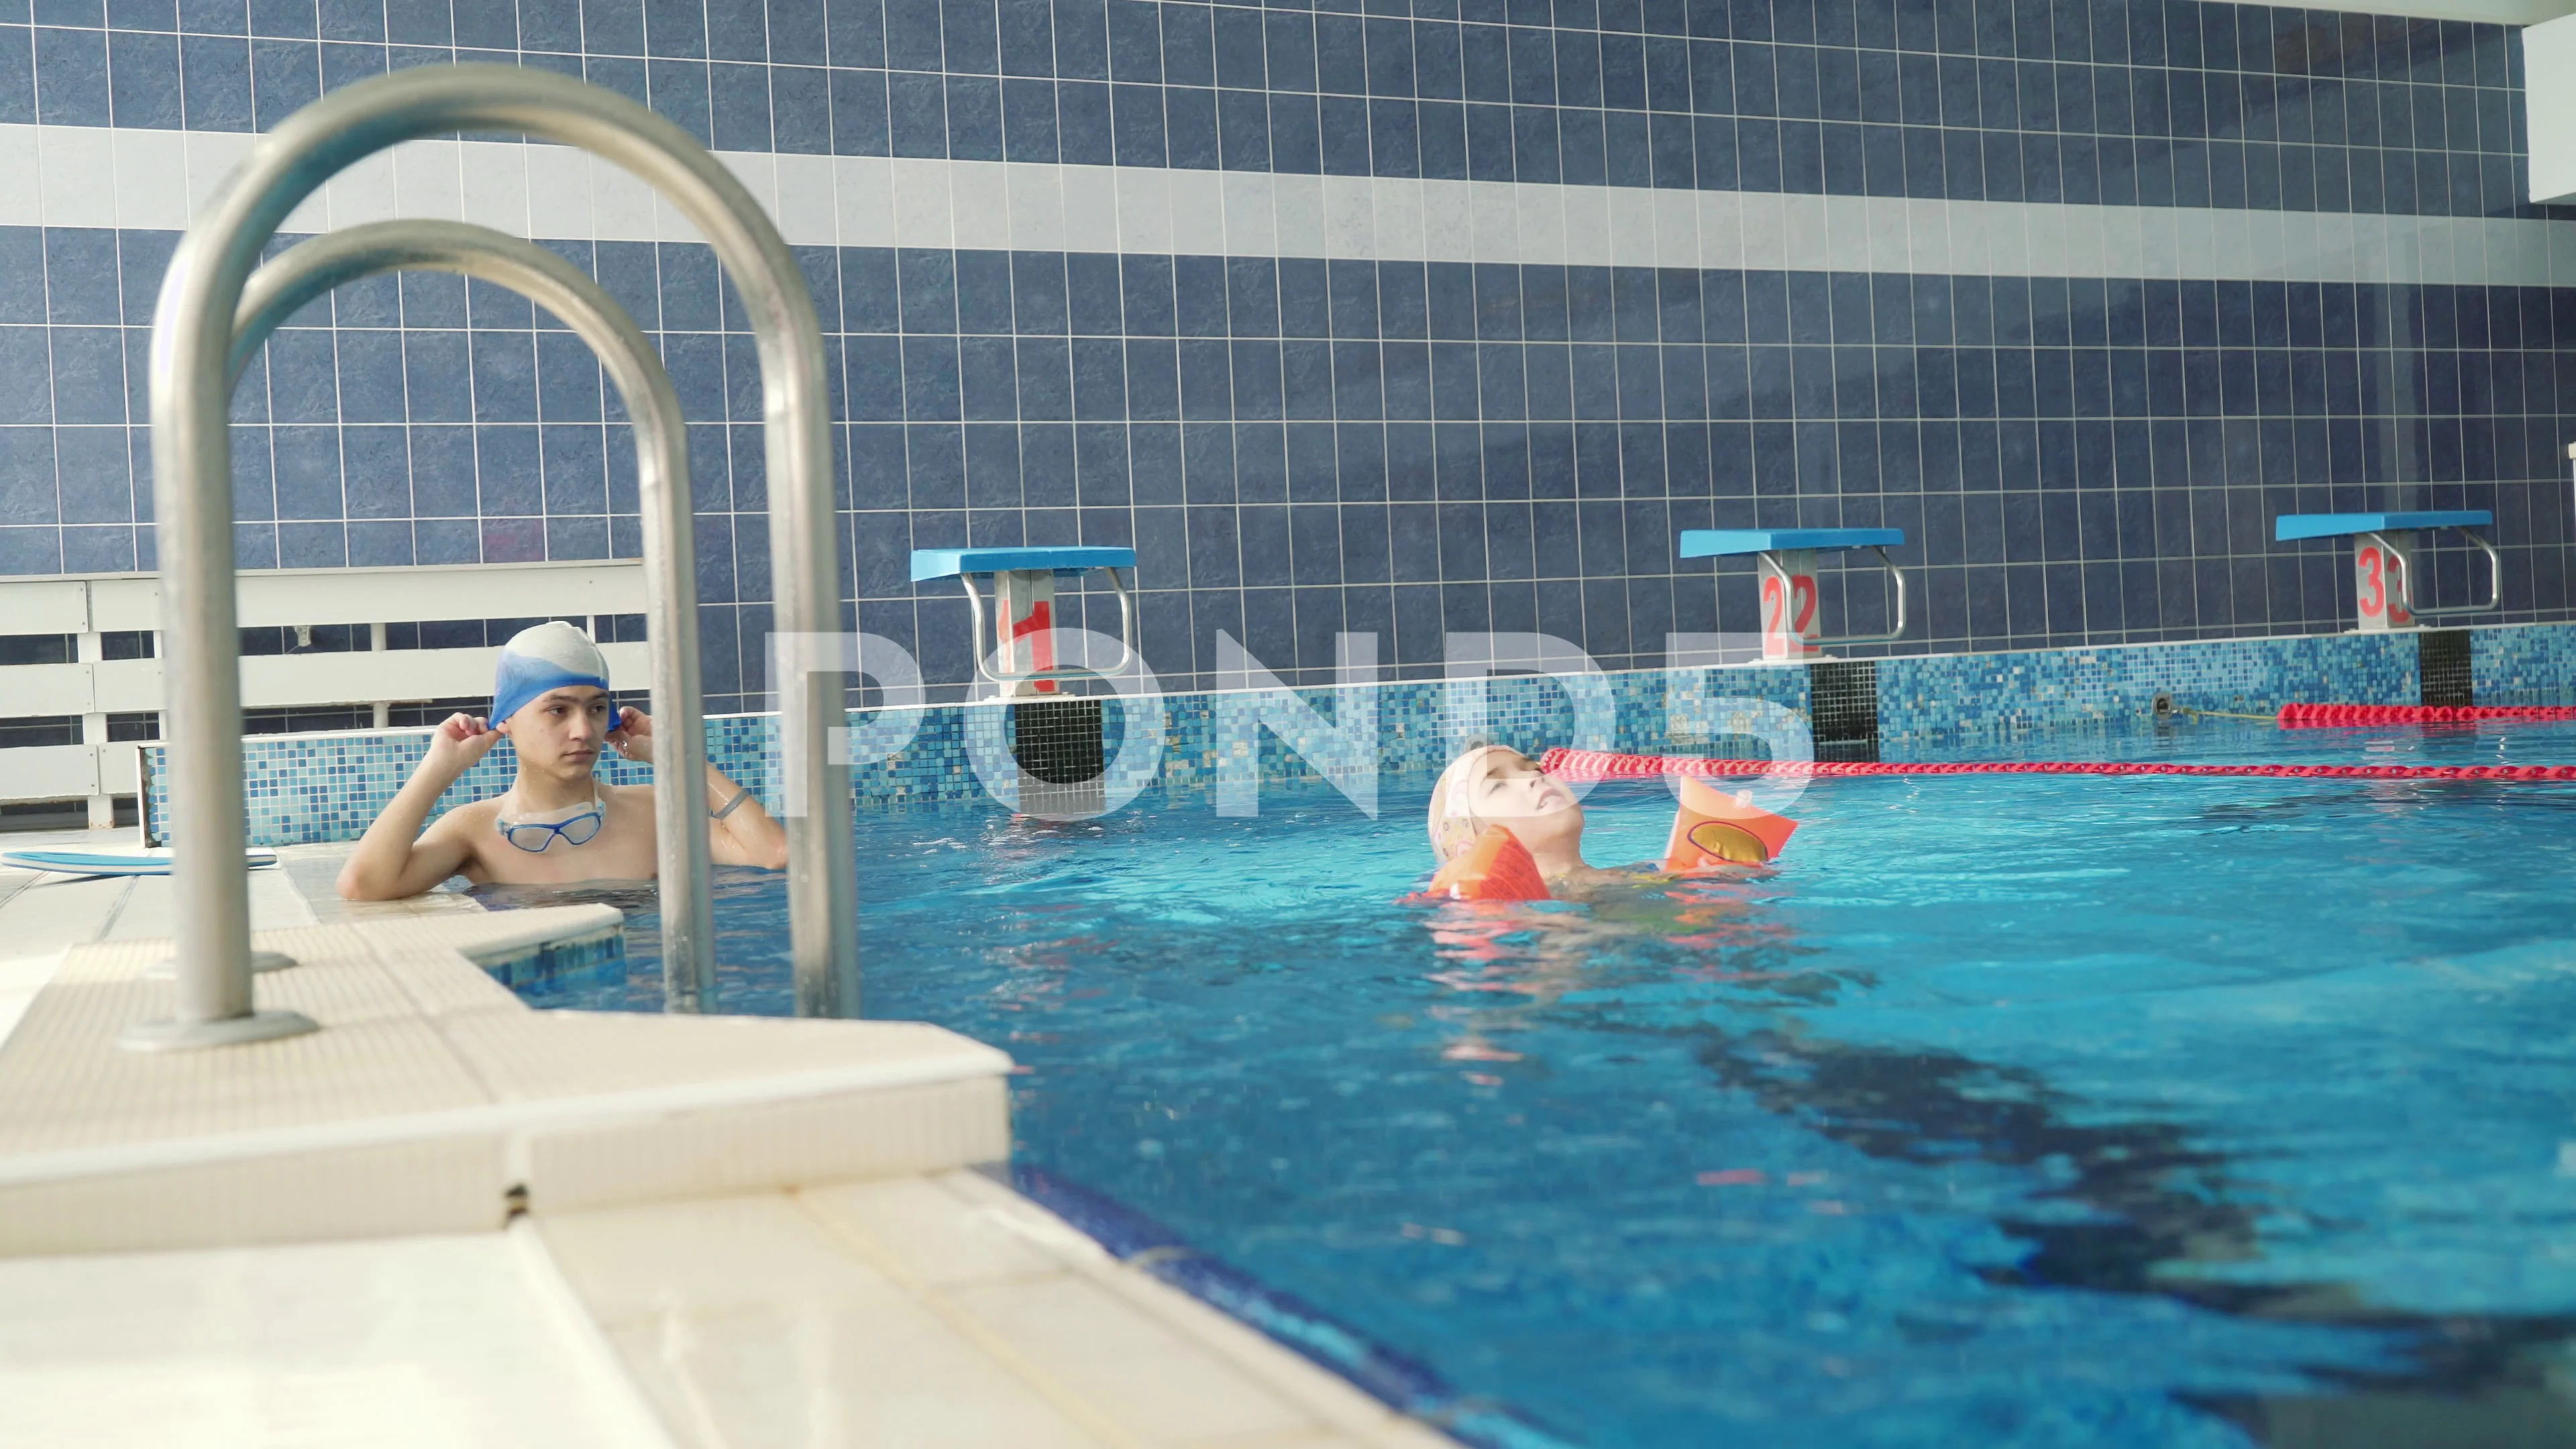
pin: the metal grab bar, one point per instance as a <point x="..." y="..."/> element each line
<point x="2406" y="579"/>
<point x="313" y="268"/>
<point x="984" y="661"/>
<point x="192" y="489"/>
<point x="1891" y="635"/>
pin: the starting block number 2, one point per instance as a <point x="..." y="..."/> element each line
<point x="1789" y="627"/>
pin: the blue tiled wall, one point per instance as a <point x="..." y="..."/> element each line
<point x="1300" y="447"/>
<point x="1395" y="447"/>
<point x="2127" y="102"/>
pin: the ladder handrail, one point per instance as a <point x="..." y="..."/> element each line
<point x="313" y="268"/>
<point x="192" y="482"/>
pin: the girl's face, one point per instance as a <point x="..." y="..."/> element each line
<point x="1511" y="790"/>
<point x="1510" y="787"/>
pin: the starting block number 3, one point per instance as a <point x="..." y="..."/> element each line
<point x="2376" y="573"/>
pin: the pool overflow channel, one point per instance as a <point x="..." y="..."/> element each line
<point x="214" y="310"/>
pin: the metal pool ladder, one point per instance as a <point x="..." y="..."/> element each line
<point x="311" y="269"/>
<point x="206" y="312"/>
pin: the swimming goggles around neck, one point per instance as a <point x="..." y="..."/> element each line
<point x="534" y="836"/>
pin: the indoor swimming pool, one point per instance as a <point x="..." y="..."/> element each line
<point x="2018" y="1110"/>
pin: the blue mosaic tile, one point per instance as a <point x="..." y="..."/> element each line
<point x="323" y="787"/>
<point x="1992" y="696"/>
<point x="2524" y="664"/>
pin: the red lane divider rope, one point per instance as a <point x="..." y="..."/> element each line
<point x="1568" y="764"/>
<point x="2328" y="716"/>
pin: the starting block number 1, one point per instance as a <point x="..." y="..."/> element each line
<point x="1025" y="621"/>
<point x="1789" y="623"/>
<point x="2378" y="570"/>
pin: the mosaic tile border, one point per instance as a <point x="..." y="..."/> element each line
<point x="304" y="789"/>
<point x="2528" y="665"/>
<point x="1987" y="696"/>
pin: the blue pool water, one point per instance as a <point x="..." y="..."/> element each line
<point x="2007" y="1110"/>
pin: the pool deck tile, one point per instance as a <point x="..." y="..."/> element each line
<point x="444" y="1340"/>
<point x="1323" y="1395"/>
<point x="42" y="914"/>
<point x="736" y="1231"/>
<point x="933" y="1311"/>
<point x="425" y="1069"/>
<point x="51" y="912"/>
<point x="1140" y="1373"/>
<point x="747" y="1324"/>
<point x="21" y="978"/>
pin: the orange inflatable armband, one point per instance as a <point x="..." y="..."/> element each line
<point x="1714" y="828"/>
<point x="1496" y="868"/>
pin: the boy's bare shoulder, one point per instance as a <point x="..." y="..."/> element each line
<point x="473" y="815"/>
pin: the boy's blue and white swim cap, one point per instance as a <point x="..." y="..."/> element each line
<point x="549" y="656"/>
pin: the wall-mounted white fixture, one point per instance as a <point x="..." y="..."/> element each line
<point x="2549" y="107"/>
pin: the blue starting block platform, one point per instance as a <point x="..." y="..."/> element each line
<point x="944" y="563"/>
<point x="1726" y="542"/>
<point x="2290" y="526"/>
<point x="1016" y="649"/>
<point x="2383" y="559"/>
<point x="1791" y="626"/>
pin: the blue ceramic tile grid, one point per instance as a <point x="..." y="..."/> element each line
<point x="1426" y="448"/>
<point x="1296" y="446"/>
<point x="2127" y="104"/>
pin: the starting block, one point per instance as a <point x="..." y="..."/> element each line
<point x="1791" y="628"/>
<point x="2383" y="560"/>
<point x="1021" y="628"/>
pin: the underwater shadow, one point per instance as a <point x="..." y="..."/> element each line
<point x="2152" y="1201"/>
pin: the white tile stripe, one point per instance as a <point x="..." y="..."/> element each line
<point x="91" y="177"/>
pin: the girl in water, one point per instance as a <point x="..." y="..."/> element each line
<point x="1493" y="785"/>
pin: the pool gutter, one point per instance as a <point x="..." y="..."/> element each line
<point x="1402" y="1383"/>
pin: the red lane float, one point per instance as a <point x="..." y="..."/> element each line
<point x="2334" y="716"/>
<point x="1568" y="764"/>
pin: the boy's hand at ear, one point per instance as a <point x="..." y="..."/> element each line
<point x="633" y="737"/>
<point x="459" y="742"/>
<point x="392" y="859"/>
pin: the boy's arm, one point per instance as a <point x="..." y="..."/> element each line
<point x="745" y="836"/>
<point x="748" y="836"/>
<point x="393" y="860"/>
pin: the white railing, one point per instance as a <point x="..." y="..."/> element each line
<point x="89" y="607"/>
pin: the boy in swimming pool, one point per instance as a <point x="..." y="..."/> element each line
<point x="556" y="824"/>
